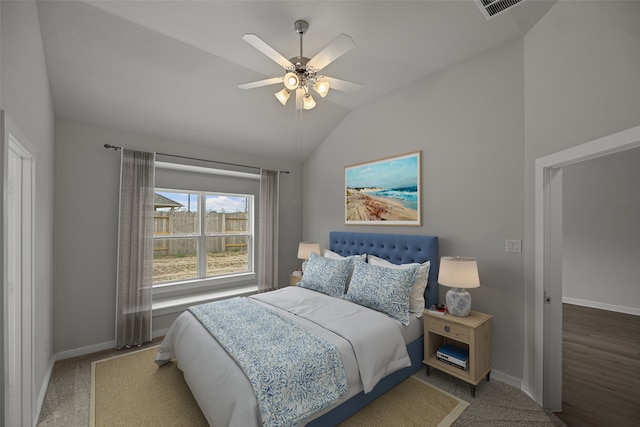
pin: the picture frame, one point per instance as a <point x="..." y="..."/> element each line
<point x="384" y="192"/>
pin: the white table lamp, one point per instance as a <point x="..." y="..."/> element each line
<point x="458" y="274"/>
<point x="305" y="249"/>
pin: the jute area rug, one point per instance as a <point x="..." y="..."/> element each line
<point x="131" y="390"/>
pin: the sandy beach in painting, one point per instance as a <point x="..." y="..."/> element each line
<point x="365" y="207"/>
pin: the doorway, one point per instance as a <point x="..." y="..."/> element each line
<point x="548" y="258"/>
<point x="18" y="182"/>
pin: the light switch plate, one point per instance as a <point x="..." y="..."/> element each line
<point x="513" y="245"/>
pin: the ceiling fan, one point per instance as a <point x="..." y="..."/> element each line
<point x="301" y="73"/>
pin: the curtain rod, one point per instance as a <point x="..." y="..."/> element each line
<point x="197" y="159"/>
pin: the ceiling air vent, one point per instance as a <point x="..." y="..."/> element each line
<point x="491" y="8"/>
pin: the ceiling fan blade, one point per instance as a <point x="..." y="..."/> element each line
<point x="299" y="96"/>
<point x="263" y="47"/>
<point x="260" y="83"/>
<point x="342" y="85"/>
<point x="338" y="47"/>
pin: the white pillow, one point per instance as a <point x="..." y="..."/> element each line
<point x="416" y="298"/>
<point x="331" y="254"/>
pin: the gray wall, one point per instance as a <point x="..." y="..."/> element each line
<point x="2" y="247"/>
<point x="87" y="185"/>
<point x="601" y="231"/>
<point x="581" y="83"/>
<point x="1" y="239"/>
<point x="27" y="101"/>
<point x="468" y="121"/>
<point x="481" y="125"/>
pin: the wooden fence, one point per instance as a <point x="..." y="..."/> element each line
<point x="171" y="223"/>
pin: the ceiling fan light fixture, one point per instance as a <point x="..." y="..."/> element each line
<point x="308" y="103"/>
<point x="291" y="80"/>
<point x="283" y="96"/>
<point x="303" y="73"/>
<point x="321" y="87"/>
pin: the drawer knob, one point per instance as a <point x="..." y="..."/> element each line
<point x="447" y="328"/>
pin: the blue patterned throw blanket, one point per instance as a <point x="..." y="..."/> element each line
<point x="294" y="373"/>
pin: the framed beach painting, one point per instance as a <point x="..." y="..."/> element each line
<point x="384" y="192"/>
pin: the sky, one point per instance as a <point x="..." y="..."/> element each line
<point x="388" y="173"/>
<point x="217" y="203"/>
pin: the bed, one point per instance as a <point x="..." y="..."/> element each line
<point x="221" y="386"/>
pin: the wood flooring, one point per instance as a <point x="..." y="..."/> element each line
<point x="600" y="367"/>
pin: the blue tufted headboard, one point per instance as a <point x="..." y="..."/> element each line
<point x="395" y="248"/>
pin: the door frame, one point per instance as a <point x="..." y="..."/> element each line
<point x="23" y="404"/>
<point x="547" y="366"/>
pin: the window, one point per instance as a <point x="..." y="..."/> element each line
<point x="201" y="237"/>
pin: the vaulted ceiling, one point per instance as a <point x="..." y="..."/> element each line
<point x="171" y="68"/>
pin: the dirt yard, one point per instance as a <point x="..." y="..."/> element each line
<point x="168" y="268"/>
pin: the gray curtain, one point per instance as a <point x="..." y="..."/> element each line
<point x="135" y="249"/>
<point x="268" y="234"/>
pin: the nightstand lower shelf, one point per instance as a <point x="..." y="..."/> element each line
<point x="454" y="372"/>
<point x="471" y="334"/>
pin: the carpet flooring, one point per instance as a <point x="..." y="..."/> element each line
<point x="412" y="403"/>
<point x="131" y="387"/>
<point x="67" y="400"/>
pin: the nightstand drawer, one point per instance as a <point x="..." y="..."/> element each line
<point x="448" y="329"/>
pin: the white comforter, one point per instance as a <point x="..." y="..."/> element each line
<point x="370" y="343"/>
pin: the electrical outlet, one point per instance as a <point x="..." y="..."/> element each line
<point x="513" y="245"/>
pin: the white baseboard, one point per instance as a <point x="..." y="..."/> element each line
<point x="602" y="306"/>
<point x="82" y="351"/>
<point x="529" y="391"/>
<point x="43" y="389"/>
<point x="507" y="379"/>
<point x="85" y="350"/>
<point x="517" y="383"/>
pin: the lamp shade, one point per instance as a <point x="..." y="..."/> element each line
<point x="457" y="272"/>
<point x="283" y="96"/>
<point x="308" y="102"/>
<point x="321" y="87"/>
<point x="305" y="249"/>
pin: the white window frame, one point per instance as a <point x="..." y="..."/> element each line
<point x="202" y="283"/>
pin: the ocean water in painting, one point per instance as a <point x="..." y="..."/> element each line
<point x="408" y="196"/>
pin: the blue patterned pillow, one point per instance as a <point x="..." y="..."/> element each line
<point x="331" y="254"/>
<point x="416" y="299"/>
<point x="326" y="275"/>
<point x="383" y="289"/>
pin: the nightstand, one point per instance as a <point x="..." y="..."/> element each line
<point x="471" y="333"/>
<point x="293" y="279"/>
